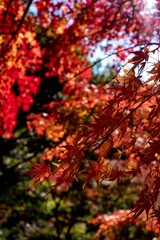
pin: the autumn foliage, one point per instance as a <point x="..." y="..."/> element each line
<point x="103" y="131"/>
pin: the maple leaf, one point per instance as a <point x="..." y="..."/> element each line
<point x="105" y="147"/>
<point x="97" y="170"/>
<point x="41" y="171"/>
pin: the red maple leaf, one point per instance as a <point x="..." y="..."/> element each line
<point x="41" y="171"/>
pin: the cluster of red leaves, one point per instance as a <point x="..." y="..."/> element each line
<point x="129" y="122"/>
<point x="80" y="100"/>
<point x="65" y="38"/>
<point x="107" y="224"/>
<point x="57" y="39"/>
<point x="17" y="56"/>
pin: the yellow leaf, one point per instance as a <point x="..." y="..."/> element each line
<point x="126" y="71"/>
<point x="60" y="30"/>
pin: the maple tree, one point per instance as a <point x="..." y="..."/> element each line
<point x="102" y="131"/>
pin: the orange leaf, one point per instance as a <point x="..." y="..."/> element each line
<point x="105" y="147"/>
